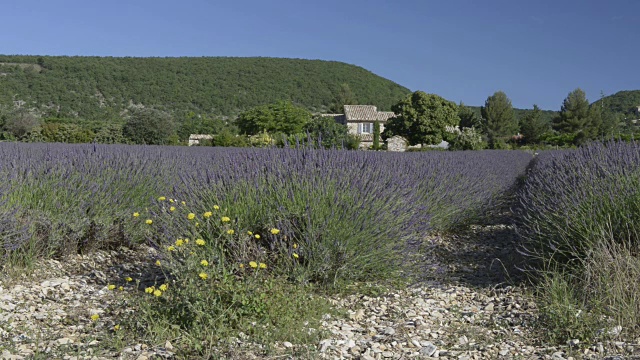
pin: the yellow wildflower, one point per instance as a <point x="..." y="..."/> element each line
<point x="249" y="233"/>
<point x="200" y="242"/>
<point x="225" y="219"/>
<point x="171" y="200"/>
<point x="204" y="263"/>
<point x="191" y="216"/>
<point x="136" y="214"/>
<point x="128" y="279"/>
<point x="157" y="293"/>
<point x="184" y="203"/>
<point x="203" y="276"/>
<point x="121" y="288"/>
<point x="275" y="231"/>
<point x="158" y="262"/>
<point x="253" y="264"/>
<point x="230" y="232"/>
<point x="116" y="328"/>
<point x="257" y="236"/>
<point x="197" y="224"/>
<point x="295" y="255"/>
<point x="263" y="266"/>
<point x="111" y="287"/>
<point x="150" y="290"/>
<point x="186" y="240"/>
<point x="241" y="266"/>
<point x="162" y="198"/>
<point x="171" y="248"/>
<point x="216" y="207"/>
<point x="163" y="287"/>
<point x="179" y="242"/>
<point x="149" y="221"/>
<point x="173" y="208"/>
<point x="95" y="317"/>
<point x="295" y="246"/>
<point x="208" y="214"/>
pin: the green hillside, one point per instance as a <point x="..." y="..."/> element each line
<point x="623" y="102"/>
<point x="96" y="87"/>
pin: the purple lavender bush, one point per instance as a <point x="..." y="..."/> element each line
<point x="573" y="199"/>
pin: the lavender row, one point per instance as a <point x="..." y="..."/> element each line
<point x="573" y="199"/>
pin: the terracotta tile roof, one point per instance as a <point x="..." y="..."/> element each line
<point x="361" y="113"/>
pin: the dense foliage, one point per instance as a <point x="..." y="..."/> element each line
<point x="99" y="87"/>
<point x="422" y="118"/>
<point x="498" y="119"/>
<point x="281" y="117"/>
<point x="622" y="102"/>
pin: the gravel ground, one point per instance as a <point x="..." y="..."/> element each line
<point x="464" y="306"/>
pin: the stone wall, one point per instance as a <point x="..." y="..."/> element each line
<point x="397" y="144"/>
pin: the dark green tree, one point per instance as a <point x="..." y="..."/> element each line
<point x="533" y="126"/>
<point x="281" y="117"/>
<point x="422" y="118"/>
<point x="574" y="114"/>
<point x="110" y="133"/>
<point x="149" y="126"/>
<point x="498" y="120"/>
<point x="325" y="129"/>
<point x="468" y="117"/>
<point x="344" y="97"/>
<point x="376" y="135"/>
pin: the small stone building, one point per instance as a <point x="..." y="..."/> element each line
<point x="397" y="143"/>
<point x="360" y="118"/>
<point x="194" y="139"/>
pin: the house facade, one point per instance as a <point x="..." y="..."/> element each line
<point x="359" y="120"/>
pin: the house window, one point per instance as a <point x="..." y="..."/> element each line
<point x="367" y="128"/>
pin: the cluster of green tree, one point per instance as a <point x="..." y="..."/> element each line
<point x="99" y="88"/>
<point x="284" y="124"/>
<point x="428" y="119"/>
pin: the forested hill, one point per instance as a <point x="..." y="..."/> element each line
<point x="97" y="87"/>
<point x="623" y="102"/>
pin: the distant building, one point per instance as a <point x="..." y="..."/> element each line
<point x="194" y="139"/>
<point x="359" y="120"/>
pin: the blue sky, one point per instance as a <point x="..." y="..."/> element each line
<point x="464" y="50"/>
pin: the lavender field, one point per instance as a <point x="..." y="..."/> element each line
<point x="245" y="232"/>
<point x="60" y="199"/>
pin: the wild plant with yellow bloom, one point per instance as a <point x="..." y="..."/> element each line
<point x="200" y="242"/>
<point x="191" y="216"/>
<point x="149" y="221"/>
<point x="207" y="214"/>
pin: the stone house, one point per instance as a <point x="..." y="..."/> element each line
<point x="359" y="120"/>
<point x="194" y="139"/>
